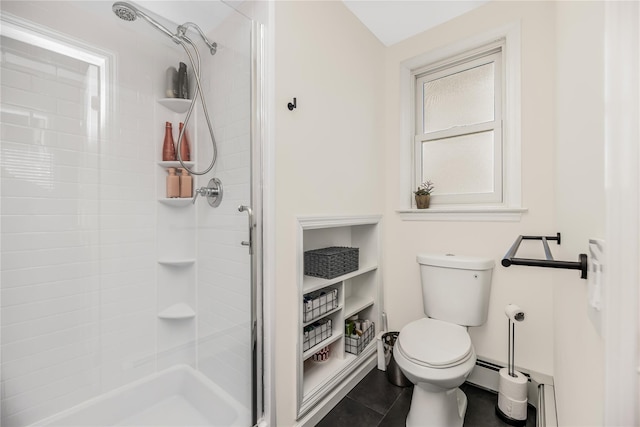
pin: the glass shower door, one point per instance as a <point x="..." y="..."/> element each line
<point x="92" y="257"/>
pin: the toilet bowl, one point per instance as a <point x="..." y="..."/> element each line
<point x="437" y="357"/>
<point x="435" y="353"/>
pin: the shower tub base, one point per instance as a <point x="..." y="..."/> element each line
<point x="178" y="396"/>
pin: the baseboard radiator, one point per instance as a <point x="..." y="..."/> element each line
<point x="540" y="389"/>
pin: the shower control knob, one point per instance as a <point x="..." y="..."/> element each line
<point x="213" y="192"/>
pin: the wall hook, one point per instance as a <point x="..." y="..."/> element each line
<point x="293" y="105"/>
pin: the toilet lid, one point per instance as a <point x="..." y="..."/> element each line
<point x="434" y="343"/>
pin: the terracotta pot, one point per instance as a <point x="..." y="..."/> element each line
<point x="423" y="201"/>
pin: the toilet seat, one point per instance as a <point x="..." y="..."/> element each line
<point x="434" y="344"/>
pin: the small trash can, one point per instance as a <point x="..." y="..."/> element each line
<point x="394" y="374"/>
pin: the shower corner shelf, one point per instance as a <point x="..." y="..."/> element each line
<point x="177" y="105"/>
<point x="174" y="164"/>
<point x="178" y="201"/>
<point x="177" y="262"/>
<point x="177" y="312"/>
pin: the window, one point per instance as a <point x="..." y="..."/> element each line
<point x="458" y="128"/>
<point x="460" y="123"/>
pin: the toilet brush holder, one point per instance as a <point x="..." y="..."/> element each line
<point x="512" y="397"/>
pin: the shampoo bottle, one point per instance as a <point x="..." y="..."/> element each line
<point x="186" y="184"/>
<point x="171" y="83"/>
<point x="185" y="147"/>
<point x="168" y="147"/>
<point x="173" y="184"/>
<point x="183" y="81"/>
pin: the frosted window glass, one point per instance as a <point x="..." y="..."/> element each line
<point x="459" y="99"/>
<point x="460" y="165"/>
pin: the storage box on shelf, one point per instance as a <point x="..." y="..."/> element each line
<point x="316" y="333"/>
<point x="330" y="262"/>
<point x="320" y="302"/>
<point x="322" y="332"/>
<point x="357" y="341"/>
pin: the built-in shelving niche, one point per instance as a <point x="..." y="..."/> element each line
<point x="358" y="294"/>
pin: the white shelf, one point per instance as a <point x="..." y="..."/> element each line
<point x="175" y="164"/>
<point x="355" y="304"/>
<point x="313" y="350"/>
<point x="318" y="374"/>
<point x="177" y="201"/>
<point x="177" y="262"/>
<point x="338" y="308"/>
<point x="177" y="105"/>
<point x="177" y="312"/>
<point x="310" y="283"/>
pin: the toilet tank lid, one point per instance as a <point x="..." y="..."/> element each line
<point x="456" y="261"/>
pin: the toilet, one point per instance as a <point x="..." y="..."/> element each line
<point x="435" y="353"/>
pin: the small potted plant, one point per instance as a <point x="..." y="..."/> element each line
<point x="423" y="194"/>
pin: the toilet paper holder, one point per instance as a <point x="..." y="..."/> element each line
<point x="512" y="388"/>
<point x="510" y="259"/>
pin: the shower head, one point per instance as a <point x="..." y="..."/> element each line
<point x="128" y="12"/>
<point x="124" y="11"/>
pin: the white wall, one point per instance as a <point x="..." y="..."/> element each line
<point x="580" y="203"/>
<point x="529" y="287"/>
<point x="328" y="156"/>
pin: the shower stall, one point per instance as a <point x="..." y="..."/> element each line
<point x="120" y="305"/>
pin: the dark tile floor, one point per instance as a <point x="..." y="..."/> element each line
<point x="375" y="402"/>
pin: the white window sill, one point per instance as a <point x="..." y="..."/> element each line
<point x="457" y="213"/>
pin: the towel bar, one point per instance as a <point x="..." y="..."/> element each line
<point x="510" y="259"/>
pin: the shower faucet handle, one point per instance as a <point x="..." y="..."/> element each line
<point x="213" y="192"/>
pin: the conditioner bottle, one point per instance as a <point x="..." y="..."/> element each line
<point x="173" y="184"/>
<point x="186" y="184"/>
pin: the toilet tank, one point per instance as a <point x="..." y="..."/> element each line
<point x="456" y="288"/>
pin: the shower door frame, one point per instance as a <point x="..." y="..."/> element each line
<point x="257" y="329"/>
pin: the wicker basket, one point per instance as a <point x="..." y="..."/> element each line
<point x="330" y="262"/>
<point x="354" y="344"/>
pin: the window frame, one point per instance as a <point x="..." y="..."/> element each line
<point x="510" y="209"/>
<point x="489" y="54"/>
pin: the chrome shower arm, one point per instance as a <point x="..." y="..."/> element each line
<point x="182" y="31"/>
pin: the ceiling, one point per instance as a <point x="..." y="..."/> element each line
<point x="391" y="21"/>
<point x="395" y="20"/>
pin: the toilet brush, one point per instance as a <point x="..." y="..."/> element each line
<point x="512" y="388"/>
